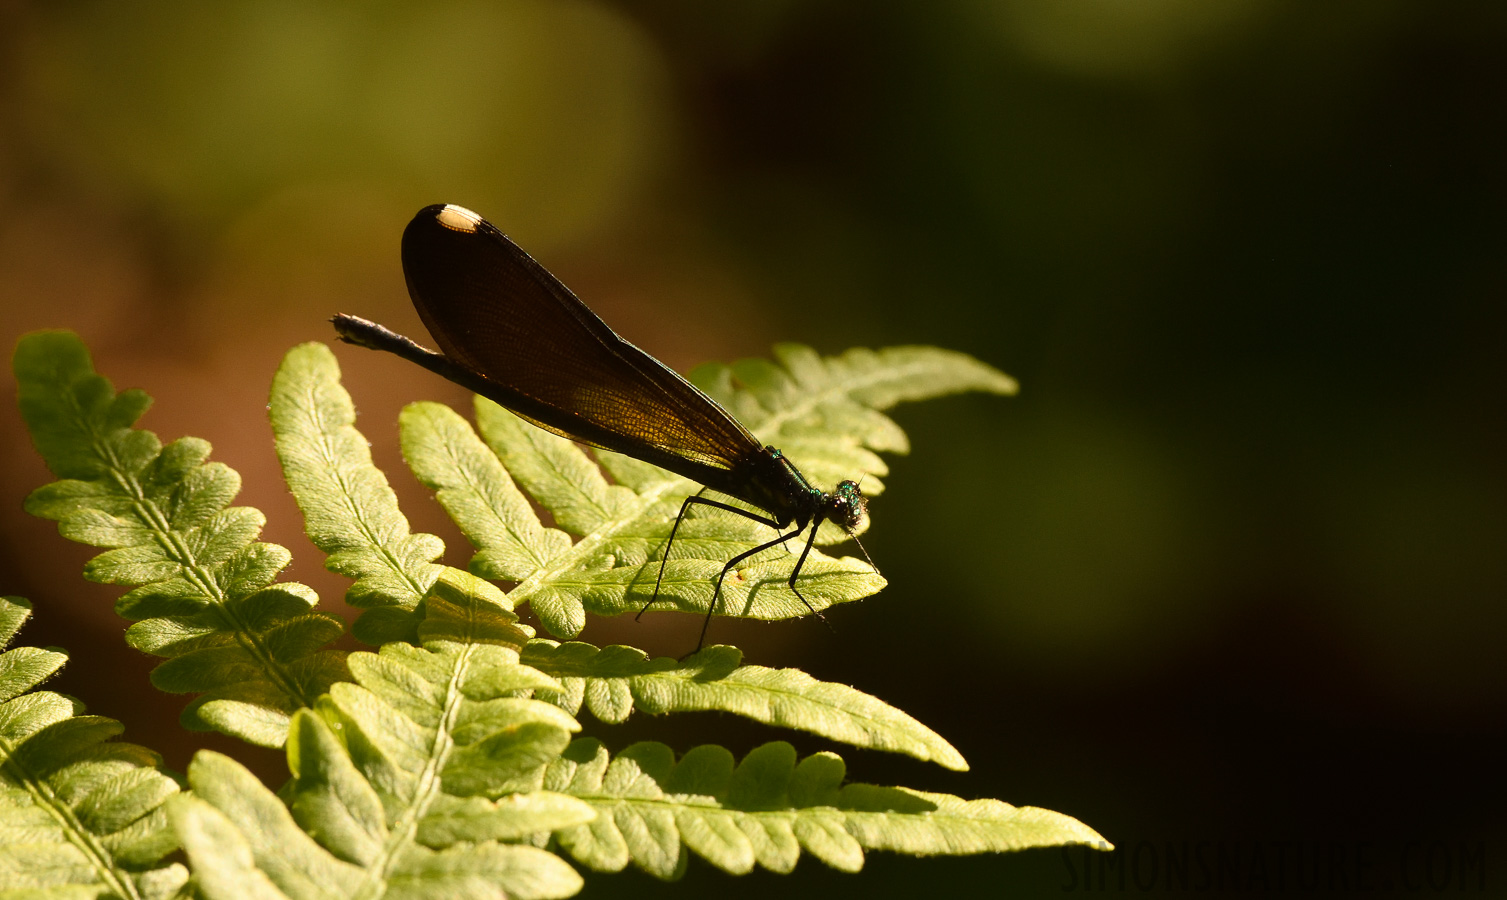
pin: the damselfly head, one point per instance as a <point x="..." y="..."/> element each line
<point x="847" y="507"/>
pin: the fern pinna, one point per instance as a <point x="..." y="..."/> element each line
<point x="80" y="815"/>
<point x="205" y="594"/>
<point x="445" y="762"/>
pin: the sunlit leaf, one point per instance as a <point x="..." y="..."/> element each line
<point x="614" y="681"/>
<point x="653" y="809"/>
<point x="81" y="815"/>
<point x="205" y="593"/>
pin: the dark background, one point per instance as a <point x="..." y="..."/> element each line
<point x="1231" y="568"/>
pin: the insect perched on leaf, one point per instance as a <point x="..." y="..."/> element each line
<point x="511" y="332"/>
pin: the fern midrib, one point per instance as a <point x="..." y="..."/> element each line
<point x="79" y="836"/>
<point x="712" y="805"/>
<point x="939" y="816"/>
<point x="401" y="833"/>
<point x="172" y="544"/>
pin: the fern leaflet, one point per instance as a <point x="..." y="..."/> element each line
<point x="80" y="815"/>
<point x="613" y="681"/>
<point x="349" y="510"/>
<point x="205" y="596"/>
<point x="652" y="810"/>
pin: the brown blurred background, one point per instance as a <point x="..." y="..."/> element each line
<point x="1232" y="566"/>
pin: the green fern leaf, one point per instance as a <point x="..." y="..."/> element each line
<point x="827" y="412"/>
<point x="349" y="510"/>
<point x="205" y="596"/>
<point x="80" y="815"/>
<point x="613" y="681"/>
<point x="823" y="412"/>
<point x="652" y="810"/>
<point x="409" y="782"/>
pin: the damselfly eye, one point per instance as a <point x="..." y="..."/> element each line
<point x="848" y="507"/>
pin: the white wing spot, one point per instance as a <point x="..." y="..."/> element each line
<point x="458" y="218"/>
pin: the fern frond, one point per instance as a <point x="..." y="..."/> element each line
<point x="652" y="809"/>
<point x="406" y="782"/>
<point x="823" y="412"/>
<point x="80" y="815"/>
<point x="611" y="682"/>
<point x="205" y="596"/>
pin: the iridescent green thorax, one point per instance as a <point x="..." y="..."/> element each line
<point x="771" y="482"/>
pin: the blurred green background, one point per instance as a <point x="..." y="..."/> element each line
<point x="1230" y="568"/>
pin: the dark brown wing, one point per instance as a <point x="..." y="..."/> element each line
<point x="496" y="311"/>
